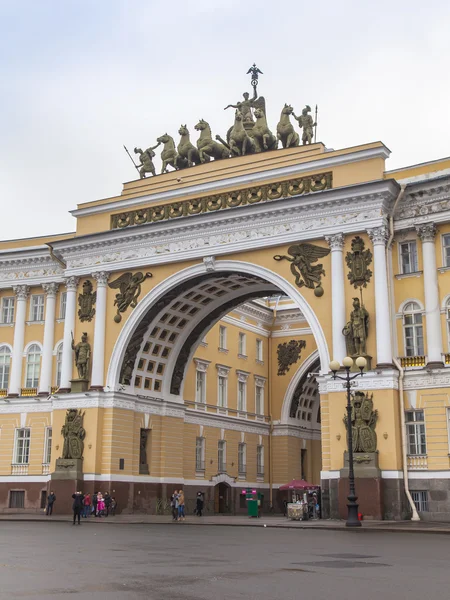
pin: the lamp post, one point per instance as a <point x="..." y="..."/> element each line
<point x="352" y="505"/>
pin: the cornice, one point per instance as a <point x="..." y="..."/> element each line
<point x="32" y="266"/>
<point x="424" y="201"/>
<point x="324" y="162"/>
<point x="423" y="379"/>
<point x="221" y="422"/>
<point x="347" y="210"/>
<point x="372" y="380"/>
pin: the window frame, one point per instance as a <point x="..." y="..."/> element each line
<point x="242" y="459"/>
<point x="260" y="460"/>
<point x="200" y="446"/>
<point x="62" y="305"/>
<point x="200" y="376"/>
<point x="223" y="337"/>
<point x="241" y="399"/>
<point x="242" y="344"/>
<point x="418" y="342"/>
<point x="222" y="403"/>
<point x="222" y="454"/>
<point x="28" y="364"/>
<point x="7" y="309"/>
<point x="5" y="366"/>
<point x="412" y="256"/>
<point x="261" y="408"/>
<point x="59" y="361"/>
<point x="37" y="305"/>
<point x="25" y="438"/>
<point x="421" y="502"/>
<point x="48" y="445"/>
<point x="416" y="428"/>
<point x="259" y="350"/>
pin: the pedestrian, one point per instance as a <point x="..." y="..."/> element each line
<point x="100" y="505"/>
<point x="50" y="501"/>
<point x="77" y="506"/>
<point x="174" y="505"/>
<point x="87" y="506"/>
<point x="181" y="512"/>
<point x="107" y="503"/>
<point x="113" y="506"/>
<point x="199" y="504"/>
<point x="94" y="504"/>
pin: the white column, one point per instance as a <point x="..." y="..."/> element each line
<point x="379" y="237"/>
<point x="336" y="243"/>
<point x="15" y="377"/>
<point x="69" y="325"/>
<point x="427" y="233"/>
<point x="98" y="353"/>
<point x="45" y="379"/>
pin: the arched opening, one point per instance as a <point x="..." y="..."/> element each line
<point x="222" y="498"/>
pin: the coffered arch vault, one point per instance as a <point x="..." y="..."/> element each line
<point x="154" y="347"/>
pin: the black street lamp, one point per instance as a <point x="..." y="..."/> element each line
<point x="352" y="505"/>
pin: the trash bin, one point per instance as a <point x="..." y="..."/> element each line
<point x="252" y="502"/>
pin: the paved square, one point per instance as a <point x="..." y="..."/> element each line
<point x="187" y="562"/>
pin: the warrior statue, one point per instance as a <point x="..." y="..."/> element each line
<point x="73" y="434"/>
<point x="356" y="330"/>
<point x="306" y="122"/>
<point x="82" y="356"/>
<point x="146" y="158"/>
<point x="364" y="420"/>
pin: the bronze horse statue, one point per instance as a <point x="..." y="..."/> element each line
<point x="207" y="147"/>
<point x="288" y="137"/>
<point x="188" y="155"/>
<point x="169" y="153"/>
<point x="263" y="137"/>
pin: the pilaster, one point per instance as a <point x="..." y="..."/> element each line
<point x="336" y="243"/>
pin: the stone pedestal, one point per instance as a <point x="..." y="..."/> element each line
<point x="79" y="385"/>
<point x="143" y="469"/>
<point x="368" y="484"/>
<point x="65" y="481"/>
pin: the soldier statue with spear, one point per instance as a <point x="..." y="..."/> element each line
<point x="146" y="157"/>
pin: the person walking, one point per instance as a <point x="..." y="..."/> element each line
<point x="174" y="505"/>
<point x="113" y="506"/>
<point x="107" y="503"/>
<point x="199" y="504"/>
<point x="100" y="505"/>
<point x="181" y="507"/>
<point x="77" y="506"/>
<point x="87" y="506"/>
<point x="94" y="503"/>
<point x="50" y="501"/>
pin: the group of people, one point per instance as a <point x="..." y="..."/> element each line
<point x="177" y="504"/>
<point x="98" y="505"/>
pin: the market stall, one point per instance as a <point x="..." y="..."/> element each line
<point x="303" y="500"/>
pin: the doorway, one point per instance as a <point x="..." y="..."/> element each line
<point x="222" y="496"/>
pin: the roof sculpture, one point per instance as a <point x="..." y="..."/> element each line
<point x="250" y="134"/>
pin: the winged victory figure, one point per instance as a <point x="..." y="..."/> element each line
<point x="301" y="257"/>
<point x="129" y="285"/>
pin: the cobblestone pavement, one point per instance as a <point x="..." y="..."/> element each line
<point x="173" y="561"/>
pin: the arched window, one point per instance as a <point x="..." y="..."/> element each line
<point x="5" y="361"/>
<point x="59" y="354"/>
<point x="33" y="366"/>
<point x="412" y="325"/>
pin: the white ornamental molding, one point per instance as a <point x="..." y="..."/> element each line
<point x="336" y="242"/>
<point x="426" y="232"/>
<point x="242" y="375"/>
<point x="383" y="380"/>
<point x="202" y="365"/>
<point x="101" y="277"/>
<point x="378" y="235"/>
<point x="71" y="283"/>
<point x="21" y="291"/>
<point x="423" y="380"/>
<point x="300" y="432"/>
<point x="423" y="200"/>
<point x="223" y="370"/>
<point x="50" y="289"/>
<point x="260" y="381"/>
<point x="210" y="263"/>
<point x="226" y="423"/>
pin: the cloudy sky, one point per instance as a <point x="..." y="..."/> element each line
<point x="80" y="78"/>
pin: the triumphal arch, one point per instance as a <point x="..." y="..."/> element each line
<point x="189" y="323"/>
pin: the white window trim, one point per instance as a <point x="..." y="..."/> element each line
<point x="258" y="386"/>
<point x="444" y="266"/>
<point x="225" y="345"/>
<point x="201" y="366"/>
<point x="242" y="377"/>
<point x="399" y="253"/>
<point x="243" y="471"/>
<point x="16" y="437"/>
<point x="46" y="439"/>
<point x="261" y="472"/>
<point x="202" y="453"/>
<point x="25" y="385"/>
<point x="11" y="323"/>
<point x="222" y="371"/>
<point x="416" y="312"/>
<point x="61" y="317"/>
<point x="224" y="455"/>
<point x="415" y="423"/>
<point x="31" y="320"/>
<point x="259" y="357"/>
<point x="242" y="348"/>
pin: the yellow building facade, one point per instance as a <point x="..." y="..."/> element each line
<point x="188" y="384"/>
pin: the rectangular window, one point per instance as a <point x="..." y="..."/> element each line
<point x="200" y="394"/>
<point x="48" y="445"/>
<point x="200" y="454"/>
<point x="415" y="431"/>
<point x="5" y="363"/>
<point x="259" y="350"/>
<point x="17" y="499"/>
<point x="242" y="395"/>
<point x="420" y="499"/>
<point x="413" y="334"/>
<point x="37" y="308"/>
<point x="222" y="456"/>
<point x="222" y="391"/>
<point x="242" y="459"/>
<point x="222" y="337"/>
<point x="62" y="305"/>
<point x="22" y="447"/>
<point x="8" y="309"/>
<point x="408" y="257"/>
<point x="446" y="246"/>
<point x="260" y="461"/>
<point x="259" y="400"/>
<point x="242" y="343"/>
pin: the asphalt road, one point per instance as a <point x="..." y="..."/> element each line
<point x="173" y="561"/>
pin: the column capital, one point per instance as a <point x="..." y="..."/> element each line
<point x="378" y="235"/>
<point x="21" y="291"/>
<point x="71" y="283"/>
<point x="426" y="232"/>
<point x="50" y="289"/>
<point x="101" y="277"/>
<point x="336" y="241"/>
